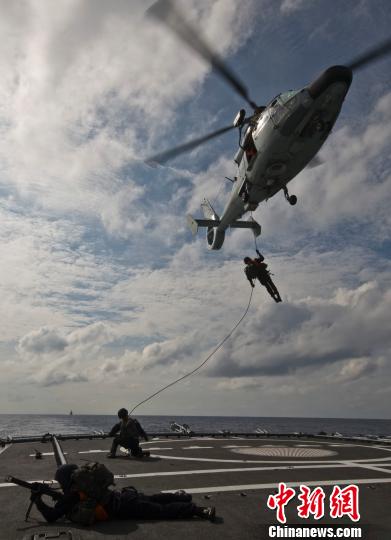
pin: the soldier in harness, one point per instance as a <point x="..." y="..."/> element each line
<point x="130" y="431"/>
<point x="257" y="269"/>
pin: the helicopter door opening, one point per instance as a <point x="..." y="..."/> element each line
<point x="249" y="147"/>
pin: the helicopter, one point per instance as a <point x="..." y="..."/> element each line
<point x="276" y="142"/>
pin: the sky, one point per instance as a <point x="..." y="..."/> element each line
<point x="105" y="294"/>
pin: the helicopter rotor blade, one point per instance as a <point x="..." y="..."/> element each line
<point x="186" y="147"/>
<point x="165" y="11"/>
<point x="371" y="55"/>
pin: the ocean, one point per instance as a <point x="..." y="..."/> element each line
<point x="35" y="424"/>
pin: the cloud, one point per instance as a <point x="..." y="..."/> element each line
<point x="55" y="357"/>
<point x="288" y="6"/>
<point x="100" y="278"/>
<point x="42" y="341"/>
<point x="357" y="368"/>
<point x="57" y="378"/>
<point x="310" y="334"/>
<point x="240" y="384"/>
<point x="68" y="153"/>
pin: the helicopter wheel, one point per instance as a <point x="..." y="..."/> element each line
<point x="292" y="199"/>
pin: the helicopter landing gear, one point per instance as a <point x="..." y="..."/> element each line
<point x="292" y="199"/>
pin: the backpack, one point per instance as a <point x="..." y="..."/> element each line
<point x="93" y="479"/>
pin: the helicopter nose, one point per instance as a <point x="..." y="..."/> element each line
<point x="329" y="76"/>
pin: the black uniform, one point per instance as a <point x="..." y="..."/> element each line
<point x="257" y="269"/>
<point x="127" y="504"/>
<point x="129" y="432"/>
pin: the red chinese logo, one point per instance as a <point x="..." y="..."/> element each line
<point x="312" y="502"/>
<point x="280" y="500"/>
<point x="343" y="502"/>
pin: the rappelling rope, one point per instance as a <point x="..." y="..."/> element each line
<point x="204" y="362"/>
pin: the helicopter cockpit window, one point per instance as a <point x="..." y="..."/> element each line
<point x="286" y="97"/>
<point x="282" y="105"/>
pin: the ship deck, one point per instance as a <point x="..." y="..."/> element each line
<point x="236" y="474"/>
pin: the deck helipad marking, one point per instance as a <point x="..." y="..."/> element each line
<point x="205" y="471"/>
<point x="46" y="454"/>
<point x="93" y="451"/>
<point x="280" y="462"/>
<point x="235" y="469"/>
<point x="285" y="451"/>
<point x="236" y="446"/>
<point x="193" y="447"/>
<point x="366" y="466"/>
<point x="248" y="487"/>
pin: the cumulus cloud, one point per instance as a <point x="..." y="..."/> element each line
<point x="358" y="368"/>
<point x="240" y="384"/>
<point x="56" y="357"/>
<point x="310" y="335"/>
<point x="101" y="281"/>
<point x="42" y="341"/>
<point x="69" y="152"/>
<point x="155" y="355"/>
<point x="288" y="6"/>
<point x="56" y="378"/>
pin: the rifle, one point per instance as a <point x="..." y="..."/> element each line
<point x="38" y="488"/>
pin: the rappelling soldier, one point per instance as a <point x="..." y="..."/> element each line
<point x="257" y="269"/>
<point x="130" y="431"/>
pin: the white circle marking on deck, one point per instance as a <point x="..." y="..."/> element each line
<point x="285" y="451"/>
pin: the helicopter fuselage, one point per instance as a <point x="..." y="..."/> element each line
<point x="280" y="142"/>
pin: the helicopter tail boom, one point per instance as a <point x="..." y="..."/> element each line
<point x="216" y="227"/>
<point x="195" y="223"/>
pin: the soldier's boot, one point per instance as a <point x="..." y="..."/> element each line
<point x="205" y="512"/>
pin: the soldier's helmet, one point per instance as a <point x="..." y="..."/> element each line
<point x="122" y="413"/>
